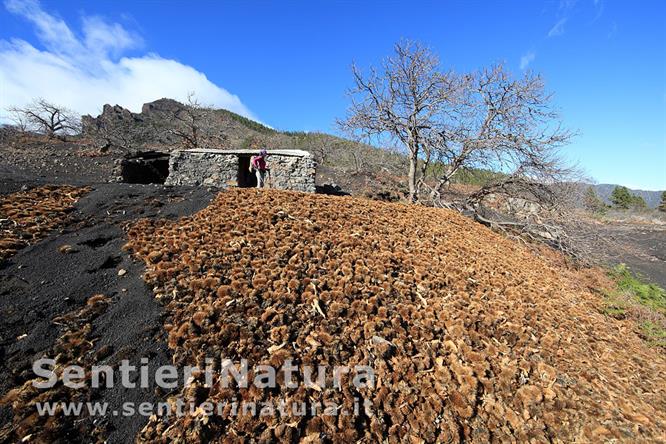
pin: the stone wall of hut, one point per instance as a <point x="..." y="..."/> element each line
<point x="289" y="169"/>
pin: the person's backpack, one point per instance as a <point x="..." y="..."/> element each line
<point x="251" y="168"/>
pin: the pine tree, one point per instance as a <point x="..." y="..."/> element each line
<point x="662" y="205"/>
<point x="621" y="198"/>
<point x="638" y="203"/>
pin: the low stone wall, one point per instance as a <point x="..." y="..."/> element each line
<point x="290" y="169"/>
<point x="292" y="173"/>
<point x="193" y="168"/>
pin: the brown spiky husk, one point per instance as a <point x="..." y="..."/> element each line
<point x="471" y="336"/>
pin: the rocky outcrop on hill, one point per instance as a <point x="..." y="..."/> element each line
<point x="161" y="124"/>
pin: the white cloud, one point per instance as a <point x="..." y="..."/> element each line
<point x="558" y="28"/>
<point x="84" y="72"/>
<point x="526" y="59"/>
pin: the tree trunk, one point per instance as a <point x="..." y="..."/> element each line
<point x="413" y="159"/>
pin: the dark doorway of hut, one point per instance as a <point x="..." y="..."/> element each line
<point x="145" y="167"/>
<point x="246" y="179"/>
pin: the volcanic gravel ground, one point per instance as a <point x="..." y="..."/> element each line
<point x="470" y="335"/>
<point x="642" y="248"/>
<point x="48" y="307"/>
<point x="52" y="162"/>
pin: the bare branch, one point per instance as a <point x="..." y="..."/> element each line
<point x="487" y="121"/>
<point x="404" y="102"/>
<point x="194" y="124"/>
<point x="47" y="118"/>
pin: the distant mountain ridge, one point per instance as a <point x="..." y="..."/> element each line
<point x="652" y="198"/>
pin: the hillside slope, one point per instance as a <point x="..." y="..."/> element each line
<point x="356" y="167"/>
<point x="469" y="335"/>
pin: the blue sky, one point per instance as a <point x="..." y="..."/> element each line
<point x="287" y="63"/>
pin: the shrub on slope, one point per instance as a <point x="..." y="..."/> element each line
<point x="470" y="336"/>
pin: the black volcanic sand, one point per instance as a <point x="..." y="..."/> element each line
<point x="641" y="248"/>
<point x="40" y="283"/>
<point x="651" y="263"/>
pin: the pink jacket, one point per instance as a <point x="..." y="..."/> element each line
<point x="259" y="163"/>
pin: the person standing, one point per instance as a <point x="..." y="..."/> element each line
<point x="260" y="167"/>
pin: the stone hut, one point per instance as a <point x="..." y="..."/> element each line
<point x="290" y="169"/>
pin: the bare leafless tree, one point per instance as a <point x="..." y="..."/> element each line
<point x="18" y="119"/>
<point x="505" y="125"/>
<point x="487" y="121"/>
<point x="46" y="118"/>
<point x="322" y="146"/>
<point x="194" y="124"/>
<point x="358" y="160"/>
<point x="402" y="102"/>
